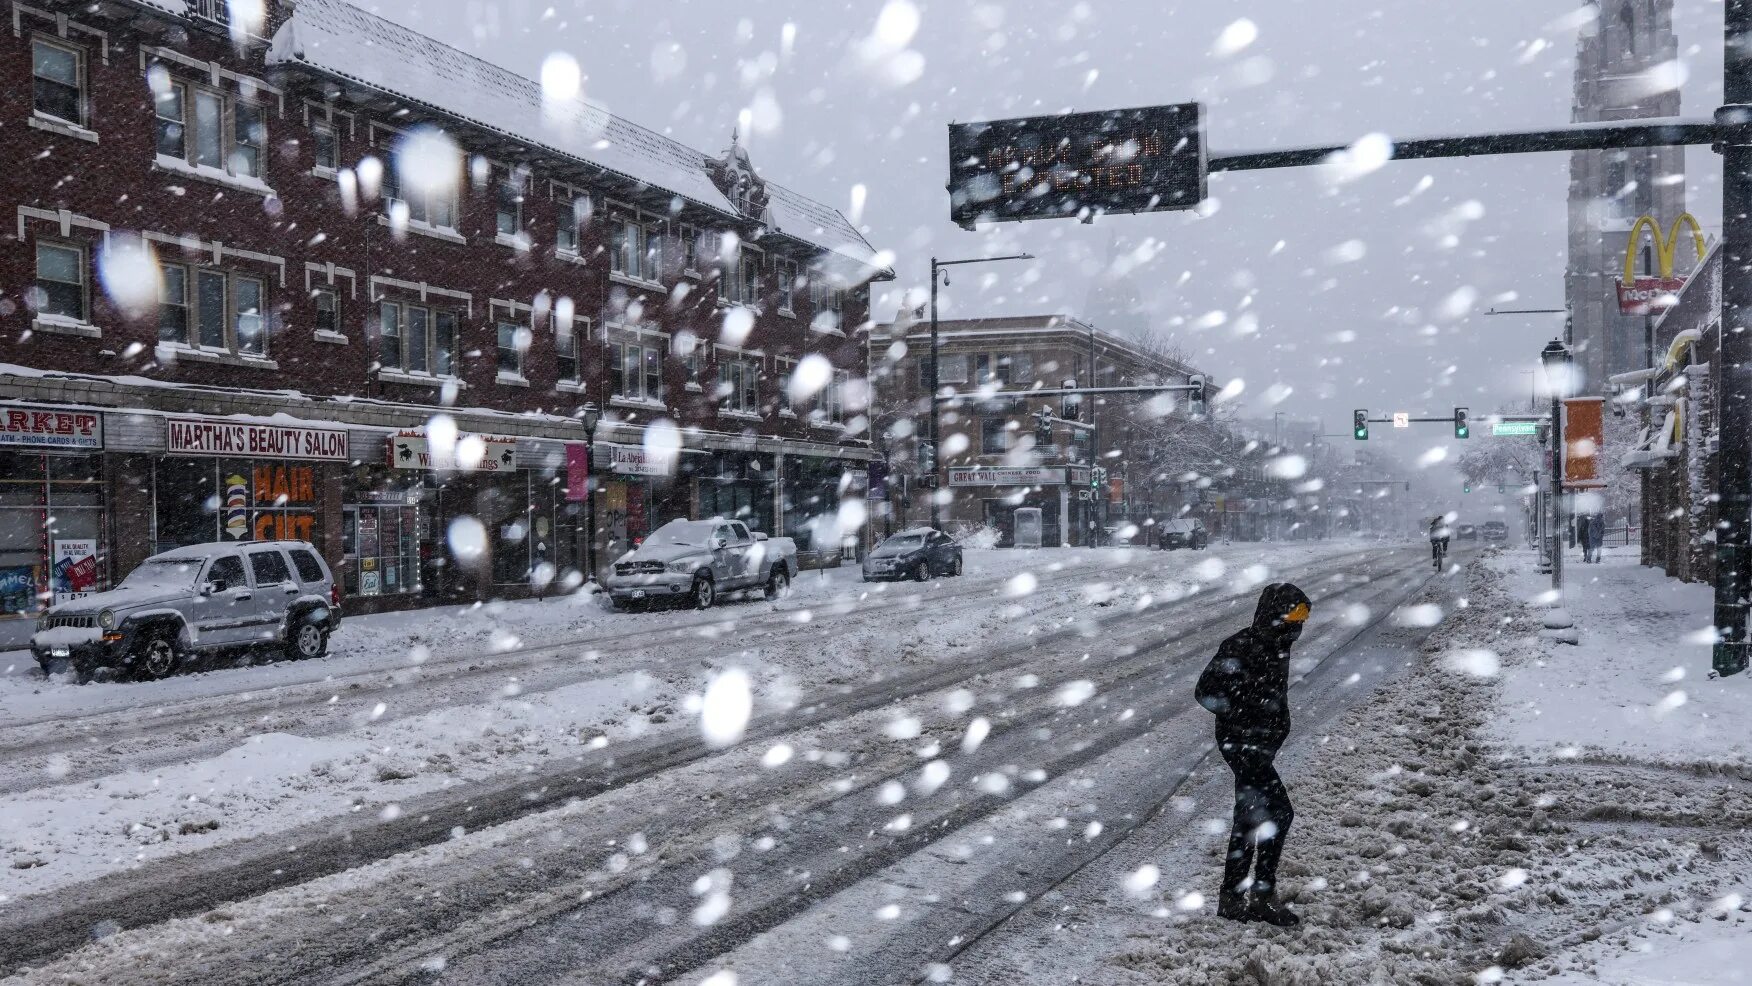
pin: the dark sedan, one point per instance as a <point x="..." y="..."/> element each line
<point x="1186" y="532"/>
<point x="915" y="554"/>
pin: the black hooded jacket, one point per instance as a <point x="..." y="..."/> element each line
<point x="1247" y="685"/>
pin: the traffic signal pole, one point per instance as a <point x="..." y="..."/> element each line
<point x="1735" y="421"/>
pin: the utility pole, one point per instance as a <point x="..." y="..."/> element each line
<point x="938" y="268"/>
<point x="1735" y="485"/>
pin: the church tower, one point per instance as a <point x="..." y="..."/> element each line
<point x="1622" y="60"/>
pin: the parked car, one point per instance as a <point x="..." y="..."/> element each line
<point x="696" y="561"/>
<point x="1185" y="532"/>
<point x="198" y="601"/>
<point x="1496" y="532"/>
<point x="917" y="554"/>
<point x="1466" y="532"/>
<point x="1123" y="534"/>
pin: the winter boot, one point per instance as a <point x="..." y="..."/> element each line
<point x="1265" y="907"/>
<point x="1232" y="904"/>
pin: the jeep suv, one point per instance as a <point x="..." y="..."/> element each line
<point x="198" y="601"/>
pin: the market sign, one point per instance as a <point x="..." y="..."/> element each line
<point x="47" y="427"/>
<point x="1076" y="165"/>
<point x="470" y="453"/>
<point x="1005" y="476"/>
<point x="200" y="436"/>
<point x="634" y="460"/>
<point x="1514" y="429"/>
<point x="1652" y="295"/>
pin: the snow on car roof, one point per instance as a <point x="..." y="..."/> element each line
<point x="201" y="552"/>
<point x="344" y="41"/>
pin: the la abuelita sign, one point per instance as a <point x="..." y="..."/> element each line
<point x="1652" y="294"/>
<point x="1077" y="165"/>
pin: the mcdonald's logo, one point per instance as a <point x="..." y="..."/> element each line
<point x="1648" y="294"/>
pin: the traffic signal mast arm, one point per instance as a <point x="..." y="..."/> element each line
<point x="977" y="395"/>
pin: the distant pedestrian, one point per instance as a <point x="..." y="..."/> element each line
<point x="1247" y="686"/>
<point x="1597" y="534"/>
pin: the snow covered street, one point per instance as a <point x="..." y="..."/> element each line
<point x="391" y="731"/>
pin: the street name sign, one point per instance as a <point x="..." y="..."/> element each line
<point x="1077" y="165"/>
<point x="1514" y="429"/>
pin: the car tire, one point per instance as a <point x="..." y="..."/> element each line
<point x="778" y="584"/>
<point x="922" y="572"/>
<point x="155" y="655"/>
<point x="955" y="567"/>
<point x="704" y="592"/>
<point x="307" y="641"/>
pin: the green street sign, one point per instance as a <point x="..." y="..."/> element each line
<point x="1514" y="429"/>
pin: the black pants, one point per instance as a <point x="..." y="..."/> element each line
<point x="1262" y="815"/>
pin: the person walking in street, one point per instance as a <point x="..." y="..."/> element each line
<point x="1247" y="686"/>
<point x="1597" y="534"/>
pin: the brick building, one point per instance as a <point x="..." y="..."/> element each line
<point x="991" y="460"/>
<point x="324" y="277"/>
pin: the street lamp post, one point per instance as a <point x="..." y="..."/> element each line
<point x="938" y="268"/>
<point x="590" y="414"/>
<point x="1558" y="365"/>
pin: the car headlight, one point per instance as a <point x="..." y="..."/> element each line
<point x="43" y="622"/>
<point x="680" y="567"/>
<point x="106" y="620"/>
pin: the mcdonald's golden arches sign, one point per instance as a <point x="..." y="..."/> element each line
<point x="1648" y="294"/>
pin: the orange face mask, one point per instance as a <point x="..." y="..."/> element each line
<point x="1297" y="615"/>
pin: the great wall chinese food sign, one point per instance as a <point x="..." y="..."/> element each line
<point x="1077" y="165"/>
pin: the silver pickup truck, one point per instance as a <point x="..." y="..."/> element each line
<point x="694" y="561"/>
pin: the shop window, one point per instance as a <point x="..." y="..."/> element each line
<point x="380" y="533"/>
<point x="504" y="510"/>
<point x="58" y="81"/>
<point x="636" y="370"/>
<point x="51" y="530"/>
<point x="199" y="501"/>
<point x="416" y="338"/>
<point x="228" y="134"/>
<point x="60" y="280"/>
<point x="994" y="436"/>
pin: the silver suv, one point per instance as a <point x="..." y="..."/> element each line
<point x="193" y="602"/>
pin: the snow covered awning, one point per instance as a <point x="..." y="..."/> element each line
<point x="1656" y="445"/>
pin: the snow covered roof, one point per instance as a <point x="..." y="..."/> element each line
<point x="345" y="42"/>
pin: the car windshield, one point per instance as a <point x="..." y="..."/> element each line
<point x="904" y="541"/>
<point x="1178" y="527"/>
<point x="684" y="533"/>
<point x="163" y="573"/>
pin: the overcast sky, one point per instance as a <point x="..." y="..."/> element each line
<point x="1361" y="305"/>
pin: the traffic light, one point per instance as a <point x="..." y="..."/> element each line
<point x="1043" y="429"/>
<point x="1466" y="487"/>
<point x="1360" y="424"/>
<point x="1461" y="428"/>
<point x="1502" y="488"/>
<point x="1097" y="477"/>
<point x="1200" y="392"/>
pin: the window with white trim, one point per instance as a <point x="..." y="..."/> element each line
<point x="830" y="405"/>
<point x="688" y="348"/>
<point x="635" y="251"/>
<point x="994" y="436"/>
<point x="786" y="366"/>
<point x="569" y="336"/>
<point x="417" y="338"/>
<point x="227" y="133"/>
<point x="213" y="308"/>
<point x="510" y="188"/>
<point x="60" y="280"/>
<point x="58" y="81"/>
<point x="738" y="383"/>
<point x="636" y="369"/>
<point x="328" y="310"/>
<point x="690" y="250"/>
<point x="513" y="344"/>
<point x="429" y="207"/>
<point x="326" y="146"/>
<point x="787" y="274"/>
<point x="570" y="236"/>
<point x="743" y="286"/>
